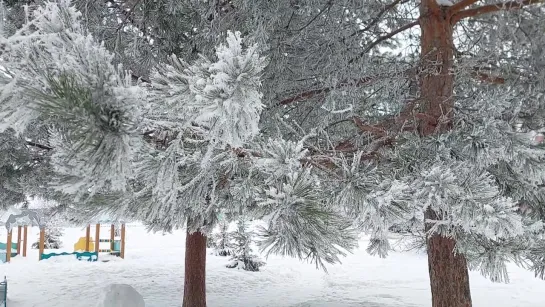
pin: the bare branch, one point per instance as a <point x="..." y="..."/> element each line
<point x="37" y="145"/>
<point x="488" y="78"/>
<point x="346" y="83"/>
<point x="377" y="18"/>
<point x="505" y="6"/>
<point x="368" y="128"/>
<point x="309" y="94"/>
<point x="384" y="38"/>
<point x="128" y="15"/>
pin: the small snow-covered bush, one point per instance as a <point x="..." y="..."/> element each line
<point x="221" y="241"/>
<point x="243" y="257"/>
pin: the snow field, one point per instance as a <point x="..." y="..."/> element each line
<point x="154" y="267"/>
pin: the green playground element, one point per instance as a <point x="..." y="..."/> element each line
<point x="116" y="246"/>
<point x="88" y="256"/>
<point x="3" y="247"/>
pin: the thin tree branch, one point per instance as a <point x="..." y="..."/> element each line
<point x="347" y="83"/>
<point x="384" y="38"/>
<point x="461" y="5"/>
<point x="326" y="7"/>
<point x="377" y="18"/>
<point x="488" y="78"/>
<point x="486" y="9"/>
<point x="37" y="145"/>
<point x="128" y="15"/>
<point x="377" y="130"/>
<point x="309" y="94"/>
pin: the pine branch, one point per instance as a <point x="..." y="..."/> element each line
<point x="129" y="15"/>
<point x="506" y="6"/>
<point x="384" y="38"/>
<point x="41" y="146"/>
<point x="488" y="78"/>
<point x="309" y="94"/>
<point x="378" y="17"/>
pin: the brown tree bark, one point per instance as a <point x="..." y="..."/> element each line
<point x="448" y="272"/>
<point x="449" y="279"/>
<point x="195" y="270"/>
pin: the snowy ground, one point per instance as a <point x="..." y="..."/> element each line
<point x="154" y="266"/>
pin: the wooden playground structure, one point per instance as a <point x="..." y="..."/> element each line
<point x="85" y="248"/>
<point x="10" y="246"/>
<point x="22" y="220"/>
<point x="117" y="246"/>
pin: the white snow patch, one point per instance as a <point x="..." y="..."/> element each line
<point x="154" y="266"/>
<point x="445" y="3"/>
<point x="121" y="295"/>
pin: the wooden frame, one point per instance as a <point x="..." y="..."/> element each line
<point x="42" y="243"/>
<point x="19" y="239"/>
<point x="112" y="239"/>
<point x="122" y="253"/>
<point x="8" y="246"/>
<point x="87" y="237"/>
<point x="112" y="236"/>
<point x="25" y="236"/>
<point x="97" y="237"/>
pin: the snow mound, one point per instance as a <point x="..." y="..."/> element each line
<point x="121" y="295"/>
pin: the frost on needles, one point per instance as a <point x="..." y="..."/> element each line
<point x="171" y="152"/>
<point x="197" y="139"/>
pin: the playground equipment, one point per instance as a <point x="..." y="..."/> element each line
<point x="92" y="257"/>
<point x="116" y="246"/>
<point x="4" y="292"/>
<point x="22" y="220"/>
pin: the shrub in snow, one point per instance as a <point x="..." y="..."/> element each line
<point x="221" y="241"/>
<point x="120" y="295"/>
<point x="52" y="238"/>
<point x="243" y="258"/>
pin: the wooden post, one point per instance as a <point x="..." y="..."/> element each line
<point x="25" y="236"/>
<point x="112" y="236"/>
<point x="8" y="247"/>
<point x="42" y="242"/>
<point x="19" y="240"/>
<point x="122" y="253"/>
<point x="87" y="237"/>
<point x="97" y="237"/>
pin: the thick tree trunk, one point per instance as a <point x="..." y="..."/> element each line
<point x="195" y="270"/>
<point x="448" y="272"/>
<point x="449" y="277"/>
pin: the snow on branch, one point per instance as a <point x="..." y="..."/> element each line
<point x="461" y="5"/>
<point x="486" y="9"/>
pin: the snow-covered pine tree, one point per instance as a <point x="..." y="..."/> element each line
<point x="52" y="236"/>
<point x="243" y="256"/>
<point x="361" y="75"/>
<point x="429" y="127"/>
<point x="221" y="240"/>
<point x="208" y="112"/>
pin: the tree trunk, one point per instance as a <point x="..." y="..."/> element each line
<point x="195" y="270"/>
<point x="448" y="272"/>
<point x="449" y="277"/>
